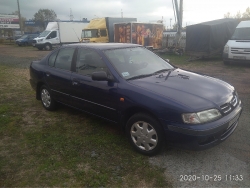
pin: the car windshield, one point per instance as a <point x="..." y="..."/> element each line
<point x="241" y="34"/>
<point x="23" y="37"/>
<point x="136" y="62"/>
<point x="44" y="33"/>
<point x="90" y="33"/>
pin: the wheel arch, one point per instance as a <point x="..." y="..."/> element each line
<point x="128" y="113"/>
<point x="38" y="87"/>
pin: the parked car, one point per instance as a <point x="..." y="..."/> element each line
<point x="26" y="39"/>
<point x="134" y="88"/>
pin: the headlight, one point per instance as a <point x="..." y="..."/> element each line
<point x="201" y="117"/>
<point x="40" y="40"/>
<point x="226" y="49"/>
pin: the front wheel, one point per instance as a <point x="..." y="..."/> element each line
<point x="47" y="101"/>
<point x="145" y="134"/>
<point x="48" y="47"/>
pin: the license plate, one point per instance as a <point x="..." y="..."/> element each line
<point x="239" y="57"/>
<point x="231" y="122"/>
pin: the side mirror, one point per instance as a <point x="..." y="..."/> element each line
<point x="101" y="76"/>
<point x="167" y="60"/>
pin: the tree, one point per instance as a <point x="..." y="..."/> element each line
<point x="246" y="14"/>
<point x="239" y="16"/>
<point x="227" y="15"/>
<point x="45" y="15"/>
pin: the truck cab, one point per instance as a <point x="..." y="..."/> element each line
<point x="46" y="39"/>
<point x="95" y="35"/>
<point x="237" y="49"/>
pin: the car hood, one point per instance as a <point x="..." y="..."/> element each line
<point x="196" y="91"/>
<point x="19" y="40"/>
<point x="37" y="38"/>
<point x="239" y="43"/>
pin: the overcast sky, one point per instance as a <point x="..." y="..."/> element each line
<point x="195" y="11"/>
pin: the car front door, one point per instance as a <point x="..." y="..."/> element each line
<point x="96" y="97"/>
<point x="58" y="75"/>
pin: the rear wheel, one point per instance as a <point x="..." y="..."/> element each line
<point x="145" y="134"/>
<point x="47" y="101"/>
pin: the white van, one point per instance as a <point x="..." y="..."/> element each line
<point x="58" y="33"/>
<point x="237" y="48"/>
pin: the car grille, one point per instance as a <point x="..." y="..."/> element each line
<point x="228" y="107"/>
<point x="240" y="50"/>
<point x="34" y="41"/>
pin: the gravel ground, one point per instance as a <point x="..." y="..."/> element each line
<point x="232" y="157"/>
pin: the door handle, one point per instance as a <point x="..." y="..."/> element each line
<point x="47" y="74"/>
<point x="75" y="82"/>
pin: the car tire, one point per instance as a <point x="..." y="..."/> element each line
<point x="47" y="101"/>
<point x="145" y="134"/>
<point x="48" y="47"/>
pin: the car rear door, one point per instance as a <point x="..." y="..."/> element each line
<point x="96" y="97"/>
<point x="58" y="75"/>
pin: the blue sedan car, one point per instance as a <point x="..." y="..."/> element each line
<point x="153" y="101"/>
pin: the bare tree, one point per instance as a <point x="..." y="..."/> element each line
<point x="45" y="15"/>
<point x="246" y="14"/>
<point x="227" y="15"/>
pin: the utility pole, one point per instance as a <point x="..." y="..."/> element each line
<point x="121" y="13"/>
<point x="20" y="18"/>
<point x="170" y="23"/>
<point x="179" y="14"/>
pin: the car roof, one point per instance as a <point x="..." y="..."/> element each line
<point x="104" y="46"/>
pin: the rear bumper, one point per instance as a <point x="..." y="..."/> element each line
<point x="198" y="138"/>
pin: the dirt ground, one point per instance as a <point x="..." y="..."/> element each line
<point x="231" y="157"/>
<point x="27" y="52"/>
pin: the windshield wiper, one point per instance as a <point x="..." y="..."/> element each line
<point x="162" y="70"/>
<point x="140" y="76"/>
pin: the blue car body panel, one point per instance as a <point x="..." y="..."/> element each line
<point x="165" y="96"/>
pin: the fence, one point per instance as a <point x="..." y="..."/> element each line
<point x="169" y="38"/>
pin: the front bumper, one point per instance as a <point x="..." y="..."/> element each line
<point x="226" y="58"/>
<point x="199" y="137"/>
<point x="38" y="45"/>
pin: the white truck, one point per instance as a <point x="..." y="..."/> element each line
<point x="58" y="33"/>
<point x="237" y="49"/>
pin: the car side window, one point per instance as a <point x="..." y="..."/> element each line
<point x="52" y="59"/>
<point x="89" y="61"/>
<point x="103" y="32"/>
<point x="64" y="58"/>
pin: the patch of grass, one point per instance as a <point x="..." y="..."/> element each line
<point x="61" y="148"/>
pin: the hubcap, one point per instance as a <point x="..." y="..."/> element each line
<point x="45" y="98"/>
<point x="144" y="135"/>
